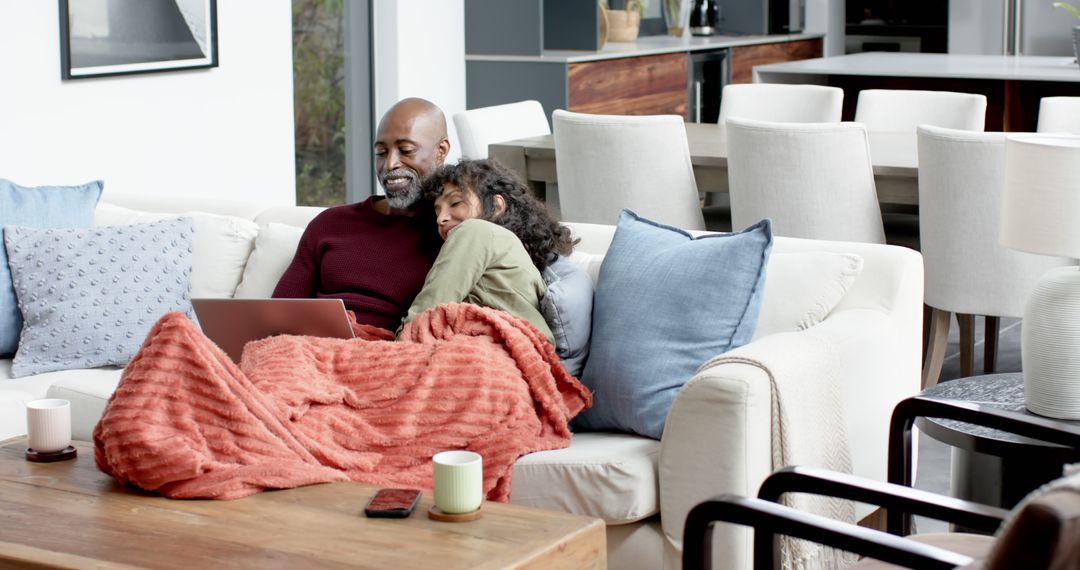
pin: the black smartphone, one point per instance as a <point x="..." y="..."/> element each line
<point x="392" y="503"/>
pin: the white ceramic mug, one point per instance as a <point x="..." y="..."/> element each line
<point x="48" y="424"/>
<point x="459" y="481"/>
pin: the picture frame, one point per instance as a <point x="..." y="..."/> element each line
<point x="100" y="38"/>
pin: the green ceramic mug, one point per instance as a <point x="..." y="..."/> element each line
<point x="459" y="481"/>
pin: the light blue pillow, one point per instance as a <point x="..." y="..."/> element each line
<point x="567" y="308"/>
<point x="89" y="296"/>
<point x="665" y="303"/>
<point x="41" y="207"/>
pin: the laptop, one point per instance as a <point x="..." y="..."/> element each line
<point x="232" y="323"/>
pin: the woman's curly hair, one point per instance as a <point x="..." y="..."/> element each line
<point x="542" y="235"/>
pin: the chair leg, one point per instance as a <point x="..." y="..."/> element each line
<point x="990" y="350"/>
<point x="927" y="315"/>
<point x="938" y="340"/>
<point x="967" y="344"/>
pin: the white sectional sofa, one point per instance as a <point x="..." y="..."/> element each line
<point x="717" y="436"/>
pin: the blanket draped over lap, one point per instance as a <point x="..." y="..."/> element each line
<point x="807" y="429"/>
<point x="187" y="422"/>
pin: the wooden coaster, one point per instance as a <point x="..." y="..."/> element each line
<point x="435" y="514"/>
<point x="52" y="456"/>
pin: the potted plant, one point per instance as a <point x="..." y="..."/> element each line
<point x="623" y="25"/>
<point x="1076" y="30"/>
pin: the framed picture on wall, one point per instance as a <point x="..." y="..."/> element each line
<point x="115" y="37"/>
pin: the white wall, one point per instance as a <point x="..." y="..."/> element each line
<point x="225" y="131"/>
<point x="975" y="27"/>
<point x="419" y="51"/>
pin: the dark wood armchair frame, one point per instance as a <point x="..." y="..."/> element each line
<point x="770" y="519"/>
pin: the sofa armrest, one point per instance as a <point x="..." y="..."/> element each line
<point x="717" y="438"/>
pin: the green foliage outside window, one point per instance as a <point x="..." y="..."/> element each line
<point x="319" y="101"/>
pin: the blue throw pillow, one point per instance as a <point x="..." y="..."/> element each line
<point x="665" y="303"/>
<point x="41" y="207"/>
<point x="89" y="296"/>
<point x="567" y="308"/>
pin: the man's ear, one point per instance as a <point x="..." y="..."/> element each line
<point x="500" y="205"/>
<point x="442" y="151"/>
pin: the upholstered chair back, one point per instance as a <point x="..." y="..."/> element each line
<point x="609" y="162"/>
<point x="967" y="270"/>
<point x="781" y="103"/>
<point x="813" y="179"/>
<point x="477" y="128"/>
<point x="1059" y="115"/>
<point x="903" y="110"/>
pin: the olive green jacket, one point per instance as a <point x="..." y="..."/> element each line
<point x="485" y="264"/>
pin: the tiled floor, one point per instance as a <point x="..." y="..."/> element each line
<point x="933" y="472"/>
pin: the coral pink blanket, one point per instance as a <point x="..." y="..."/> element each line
<point x="186" y="422"/>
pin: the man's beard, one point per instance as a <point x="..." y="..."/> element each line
<point x="404" y="198"/>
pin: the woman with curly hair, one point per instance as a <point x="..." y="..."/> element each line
<point x="498" y="239"/>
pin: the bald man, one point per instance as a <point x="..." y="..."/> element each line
<point x="376" y="253"/>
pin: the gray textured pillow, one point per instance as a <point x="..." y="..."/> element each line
<point x="567" y="308"/>
<point x="89" y="296"/>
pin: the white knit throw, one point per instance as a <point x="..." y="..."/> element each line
<point x="808" y="429"/>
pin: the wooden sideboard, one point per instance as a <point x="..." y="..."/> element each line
<point x="650" y="76"/>
<point x="744" y="58"/>
<point x="647" y="85"/>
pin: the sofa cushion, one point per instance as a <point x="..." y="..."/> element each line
<point x="665" y="303"/>
<point x="89" y="296"/>
<point x="567" y="308"/>
<point x="219" y="252"/>
<point x="801" y="289"/>
<point x="275" y="247"/>
<point x="13" y="412"/>
<point x="610" y="476"/>
<point x="41" y="207"/>
<point x="88" y="391"/>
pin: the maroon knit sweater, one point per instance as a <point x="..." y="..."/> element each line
<point x="375" y="262"/>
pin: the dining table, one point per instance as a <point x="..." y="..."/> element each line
<point x="893" y="156"/>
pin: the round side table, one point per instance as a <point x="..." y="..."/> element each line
<point x="991" y="466"/>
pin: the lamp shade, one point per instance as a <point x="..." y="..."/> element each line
<point x="1041" y="208"/>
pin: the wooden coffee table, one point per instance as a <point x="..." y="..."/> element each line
<point x="70" y="515"/>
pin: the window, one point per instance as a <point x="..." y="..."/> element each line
<point x="319" y="101"/>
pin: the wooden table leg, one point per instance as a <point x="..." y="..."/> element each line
<point x="990" y="349"/>
<point x="967" y="344"/>
<point x="936" y="344"/>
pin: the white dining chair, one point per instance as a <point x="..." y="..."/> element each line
<point x="813" y="179"/>
<point x="770" y="102"/>
<point x="605" y="163"/>
<point x="781" y="103"/>
<point x="478" y="128"/>
<point x="903" y="110"/>
<point x="967" y="270"/>
<point x="1059" y="115"/>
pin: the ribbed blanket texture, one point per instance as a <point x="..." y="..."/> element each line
<point x="187" y="422"/>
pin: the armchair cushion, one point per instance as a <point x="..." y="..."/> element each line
<point x="41" y="207"/>
<point x="665" y="303"/>
<point x="611" y="476"/>
<point x="974" y="545"/>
